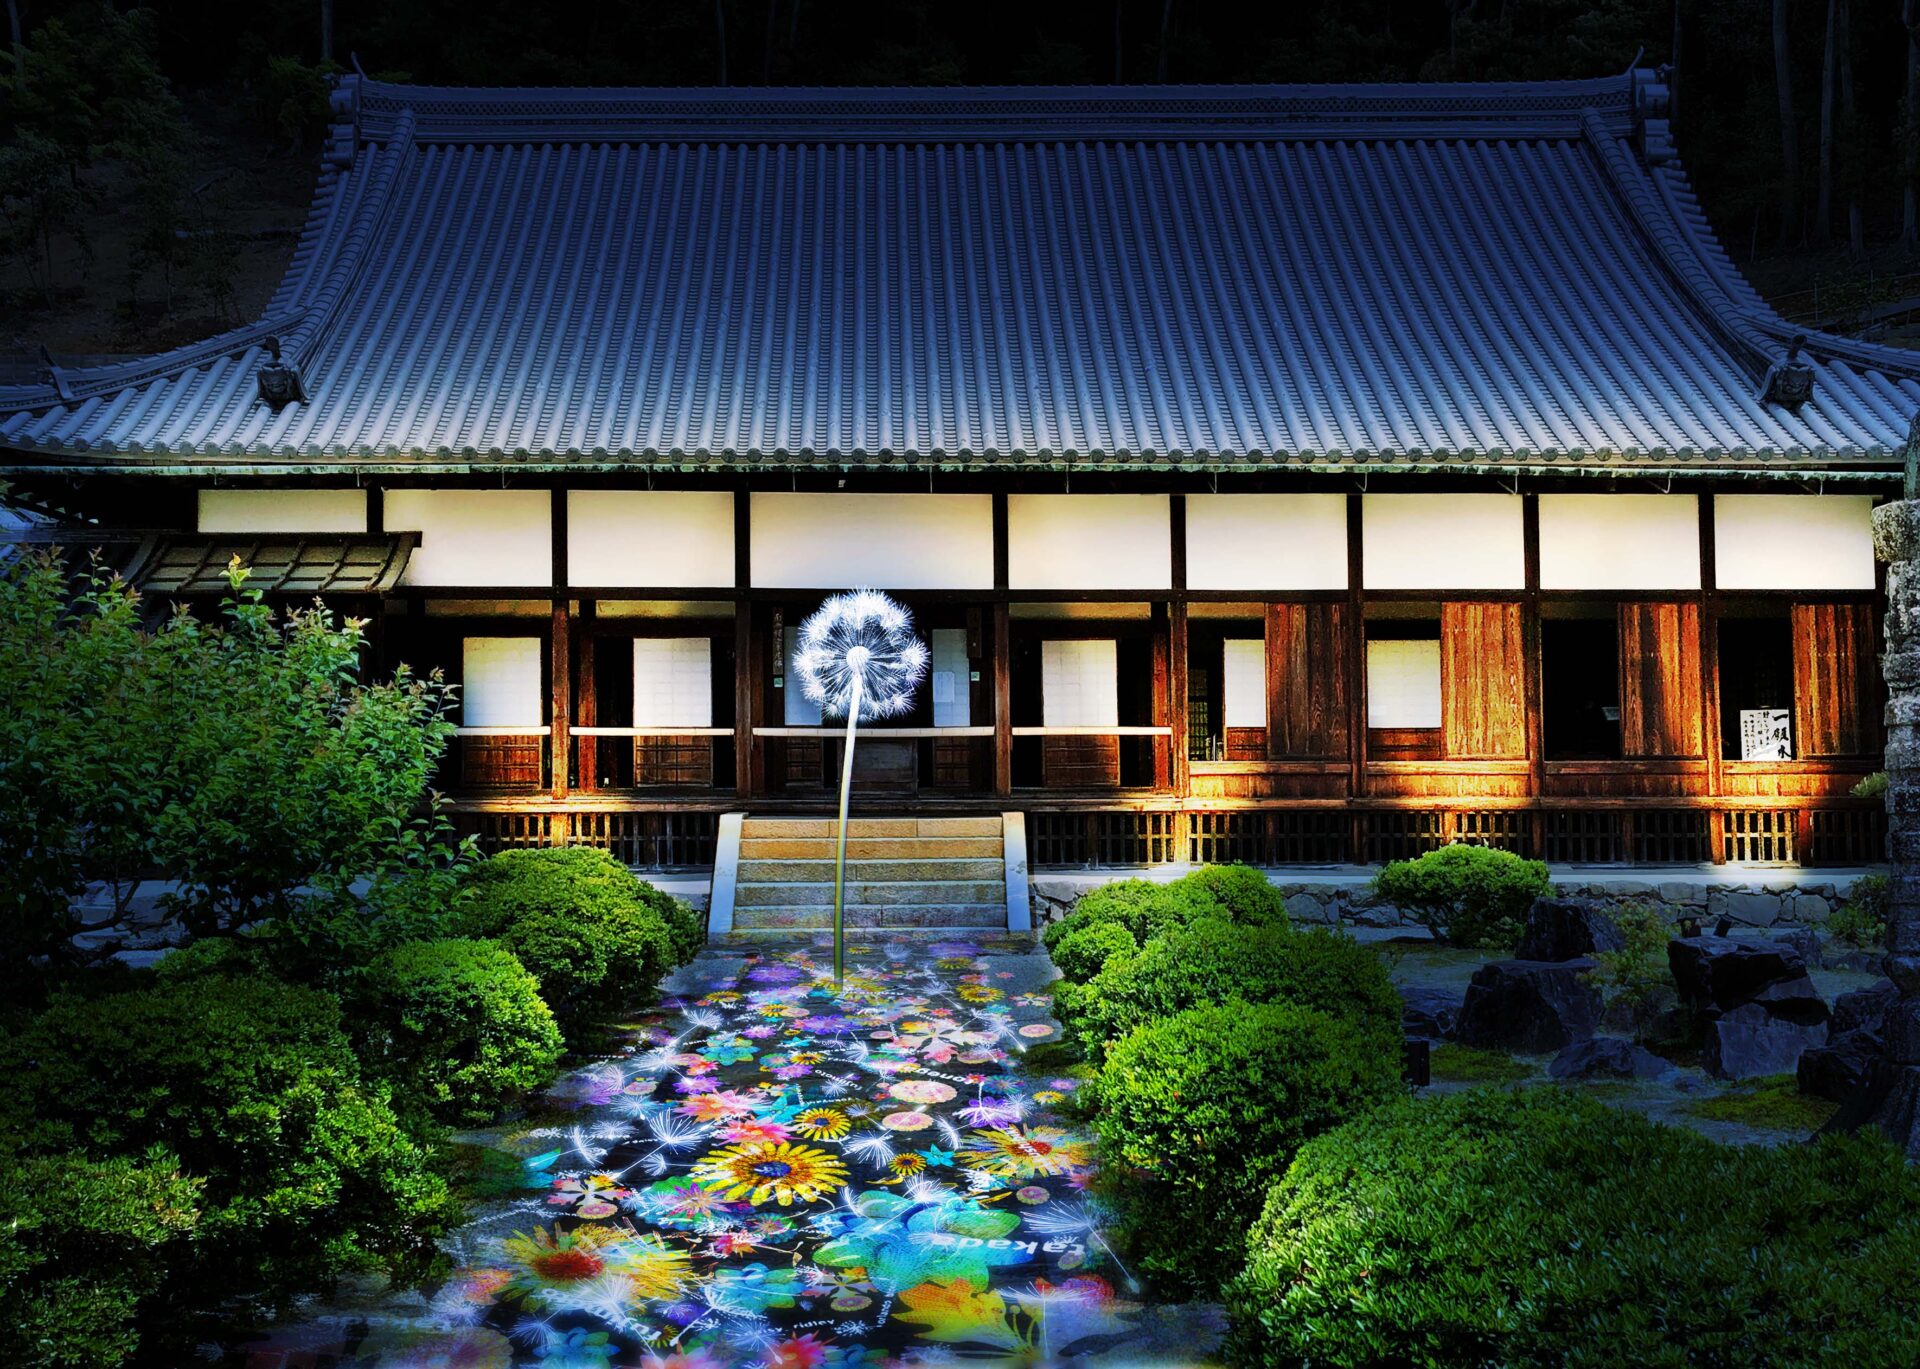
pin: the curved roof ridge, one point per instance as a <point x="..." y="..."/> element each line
<point x="1372" y="110"/>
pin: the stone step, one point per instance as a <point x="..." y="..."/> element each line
<point x="867" y="871"/>
<point x="893" y="893"/>
<point x="814" y="918"/>
<point x="755" y="828"/>
<point x="873" y="848"/>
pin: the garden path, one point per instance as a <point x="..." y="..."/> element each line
<point x="774" y="1172"/>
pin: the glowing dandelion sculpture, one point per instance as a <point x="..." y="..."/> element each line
<point x="857" y="656"/>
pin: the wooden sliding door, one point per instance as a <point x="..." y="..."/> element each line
<point x="1483" y="674"/>
<point x="1306" y="681"/>
<point x="1660" y="680"/>
<point x="1837" y="698"/>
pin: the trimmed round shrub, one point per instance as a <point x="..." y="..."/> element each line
<point x="84" y="1246"/>
<point x="1541" y="1228"/>
<point x="1201" y="1111"/>
<point x="1085" y="951"/>
<point x="580" y="921"/>
<point x="1468" y="895"/>
<point x="1211" y="962"/>
<point x="210" y="955"/>
<point x="459" y="1026"/>
<point x="253" y="1085"/>
<point x="1144" y="909"/>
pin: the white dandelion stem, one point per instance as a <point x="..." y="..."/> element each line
<point x="840" y="851"/>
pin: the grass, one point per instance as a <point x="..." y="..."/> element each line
<point x="1456" y="1064"/>
<point x="1772" y="1104"/>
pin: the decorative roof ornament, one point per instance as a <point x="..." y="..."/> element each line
<point x="858" y="649"/>
<point x="279" y="383"/>
<point x="1652" y="115"/>
<point x="1790" y="381"/>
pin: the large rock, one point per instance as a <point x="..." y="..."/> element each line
<point x="1608" y="1057"/>
<point x="1428" y="1013"/>
<point x="1529" y="1005"/>
<point x="1566" y="929"/>
<point x="1715" y="973"/>
<point x="1864" y="1009"/>
<point x="1757" y="1039"/>
<point x="1841" y="1068"/>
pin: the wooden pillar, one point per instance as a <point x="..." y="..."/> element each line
<point x="562" y="694"/>
<point x="586" y="702"/>
<point x="562" y="636"/>
<point x="1710" y="683"/>
<point x="1179" y="771"/>
<point x="1356" y="648"/>
<point x="742" y="643"/>
<point x="1532" y="665"/>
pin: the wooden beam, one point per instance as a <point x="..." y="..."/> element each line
<point x="1532" y="663"/>
<point x="1710" y="679"/>
<point x="743" y="682"/>
<point x="586" y="708"/>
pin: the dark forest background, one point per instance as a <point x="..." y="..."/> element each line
<point x="156" y="161"/>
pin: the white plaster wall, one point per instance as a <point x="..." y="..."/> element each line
<point x="657" y="539"/>
<point x="1089" y="541"/>
<point x="1792" y="541"/>
<point x="1442" y="541"/>
<point x="882" y="541"/>
<point x="1619" y="541"/>
<point x="1266" y="542"/>
<point x="283" y="511"/>
<point x="475" y="537"/>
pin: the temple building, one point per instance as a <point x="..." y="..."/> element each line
<point x="1283" y="474"/>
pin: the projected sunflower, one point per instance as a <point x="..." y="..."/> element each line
<point x="857" y="657"/>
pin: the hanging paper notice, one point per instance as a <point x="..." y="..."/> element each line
<point x="1765" y="735"/>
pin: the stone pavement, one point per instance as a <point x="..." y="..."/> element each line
<point x="776" y="1173"/>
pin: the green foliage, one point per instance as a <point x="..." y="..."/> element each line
<point x="1452" y="1063"/>
<point x="1084" y="952"/>
<point x="1637" y="977"/>
<point x="1541" y="1228"/>
<point x="83" y="1245"/>
<point x="1211" y="962"/>
<point x="212" y="955"/>
<point x="458" y="1026"/>
<point x="290" y="99"/>
<point x="594" y="936"/>
<point x="1144" y="909"/>
<point x="1774" y="1103"/>
<point x="243" y="759"/>
<point x="1874" y="786"/>
<point x="1468" y="895"/>
<point x="1861" y="922"/>
<point x="1200" y="1111"/>
<point x="253" y="1085"/>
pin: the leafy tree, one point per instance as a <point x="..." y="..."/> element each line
<point x="244" y="758"/>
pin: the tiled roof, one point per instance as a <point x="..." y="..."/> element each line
<point x="1211" y="277"/>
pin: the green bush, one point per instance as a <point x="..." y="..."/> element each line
<point x="1200" y="1112"/>
<point x="1468" y="895"/>
<point x="1211" y="962"/>
<point x="252" y="1083"/>
<point x="1637" y="980"/>
<point x="210" y="955"/>
<point x="83" y="1246"/>
<point x="1144" y="909"/>
<point x="1861" y="922"/>
<point x="1542" y="1228"/>
<point x="1084" y="952"/>
<point x="595" y="937"/>
<point x="459" y="1026"/>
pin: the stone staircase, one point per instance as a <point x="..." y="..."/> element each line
<point x="901" y="872"/>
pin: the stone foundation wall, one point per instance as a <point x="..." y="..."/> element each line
<point x="1768" y="899"/>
